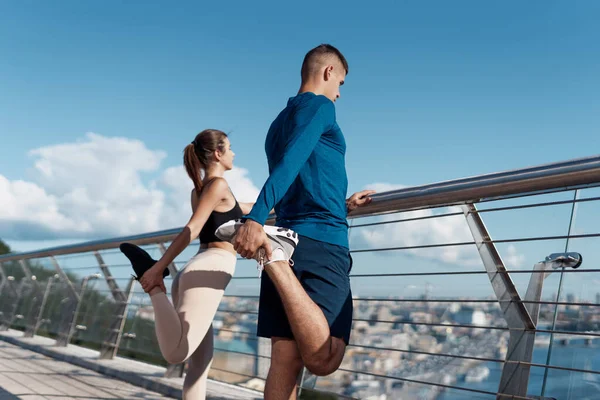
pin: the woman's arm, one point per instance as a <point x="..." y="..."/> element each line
<point x="202" y="207"/>
<point x="247" y="207"/>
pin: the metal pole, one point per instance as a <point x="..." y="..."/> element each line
<point x="300" y="381"/>
<point x="111" y="343"/>
<point x="75" y="314"/>
<point x="556" y="176"/>
<point x="560" y="281"/>
<point x="117" y="293"/>
<point x="10" y="303"/>
<point x="34" y="307"/>
<point x="79" y="302"/>
<point x="515" y="376"/>
<point x="8" y="321"/>
<point x="64" y="326"/>
<point x="4" y="281"/>
<point x="64" y="277"/>
<point x="42" y="306"/>
<point x="25" y="269"/>
<point x="521" y="318"/>
<point x="110" y="346"/>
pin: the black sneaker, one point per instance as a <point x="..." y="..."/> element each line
<point x="140" y="260"/>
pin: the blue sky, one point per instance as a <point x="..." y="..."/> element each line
<point x="436" y="90"/>
<point x="443" y="90"/>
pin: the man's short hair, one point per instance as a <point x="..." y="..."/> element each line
<point x="318" y="56"/>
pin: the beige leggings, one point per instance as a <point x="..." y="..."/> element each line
<point x="184" y="328"/>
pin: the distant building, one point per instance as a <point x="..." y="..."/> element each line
<point x="470" y="316"/>
<point x="400" y="341"/>
<point x="424" y="343"/>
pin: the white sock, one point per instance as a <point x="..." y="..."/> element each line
<point x="277" y="255"/>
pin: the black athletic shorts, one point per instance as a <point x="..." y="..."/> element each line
<point x="323" y="269"/>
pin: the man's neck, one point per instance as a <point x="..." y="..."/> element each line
<point x="310" y="87"/>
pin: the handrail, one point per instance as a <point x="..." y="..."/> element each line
<point x="560" y="175"/>
<point x="566" y="174"/>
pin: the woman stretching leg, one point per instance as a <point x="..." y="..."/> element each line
<point x="184" y="327"/>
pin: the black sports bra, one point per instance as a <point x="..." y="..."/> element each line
<point x="216" y="219"/>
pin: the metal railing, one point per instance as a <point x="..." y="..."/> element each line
<point x="441" y="310"/>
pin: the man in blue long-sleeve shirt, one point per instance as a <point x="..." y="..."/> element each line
<point x="306" y="310"/>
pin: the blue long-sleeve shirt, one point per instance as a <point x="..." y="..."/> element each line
<point x="307" y="182"/>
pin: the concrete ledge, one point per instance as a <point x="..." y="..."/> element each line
<point x="147" y="376"/>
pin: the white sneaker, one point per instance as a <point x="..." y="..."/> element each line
<point x="283" y="241"/>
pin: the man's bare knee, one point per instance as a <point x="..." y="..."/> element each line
<point x="328" y="359"/>
<point x="323" y="368"/>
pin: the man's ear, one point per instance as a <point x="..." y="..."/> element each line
<point x="327" y="72"/>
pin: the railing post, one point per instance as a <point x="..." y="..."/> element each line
<point x="116" y="292"/>
<point x="73" y="321"/>
<point x="3" y="285"/>
<point x="175" y="370"/>
<point x="9" y="318"/>
<point x="521" y="317"/>
<point x="36" y="323"/>
<point x="25" y="269"/>
<point x="113" y="337"/>
<point x="34" y="296"/>
<point x="300" y="382"/>
<point x="64" y="277"/>
<point x="515" y="376"/>
<point x="110" y="346"/>
<point x="263" y="353"/>
<point x="4" y="281"/>
<point x="67" y="307"/>
<point x="68" y="315"/>
<point x="84" y="284"/>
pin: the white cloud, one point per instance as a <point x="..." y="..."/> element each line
<point x="241" y="185"/>
<point x="512" y="258"/>
<point x="429" y="231"/>
<point x="95" y="188"/>
<point x="27" y="204"/>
